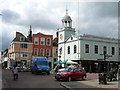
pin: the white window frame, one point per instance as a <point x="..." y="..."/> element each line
<point x="112" y="52"/>
<point x="87" y="49"/>
<point x="42" y="52"/>
<point x="35" y="50"/>
<point x="24" y="55"/>
<point x="75" y="49"/>
<point x="68" y="51"/>
<point x="42" y="39"/>
<point x="95" y="49"/>
<point x="105" y="49"/>
<point x="36" y="39"/>
<point x="49" y="52"/>
<point x="22" y="37"/>
<point x="22" y="45"/>
<point x="46" y="41"/>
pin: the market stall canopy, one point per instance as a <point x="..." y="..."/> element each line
<point x="60" y="62"/>
<point x="71" y="62"/>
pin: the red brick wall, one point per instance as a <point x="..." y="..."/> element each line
<point x="42" y="46"/>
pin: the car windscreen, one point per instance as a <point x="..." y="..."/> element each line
<point x="68" y="70"/>
<point x="41" y="63"/>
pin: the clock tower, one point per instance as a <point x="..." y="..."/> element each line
<point x="63" y="33"/>
<point x="66" y="30"/>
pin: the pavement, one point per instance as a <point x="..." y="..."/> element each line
<point x="0" y="78"/>
<point x="90" y="82"/>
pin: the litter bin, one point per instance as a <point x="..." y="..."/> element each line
<point x="102" y="78"/>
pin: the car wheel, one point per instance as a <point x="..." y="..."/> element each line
<point x="36" y="73"/>
<point x="69" y="78"/>
<point x="84" y="77"/>
<point x="48" y="73"/>
<point x="57" y="79"/>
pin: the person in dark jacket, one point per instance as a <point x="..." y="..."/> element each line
<point x="15" y="73"/>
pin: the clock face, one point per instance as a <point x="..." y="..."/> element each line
<point x="61" y="36"/>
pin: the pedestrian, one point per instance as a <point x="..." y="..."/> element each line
<point x="57" y="68"/>
<point x="15" y="73"/>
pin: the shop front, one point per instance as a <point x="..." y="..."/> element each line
<point x="100" y="66"/>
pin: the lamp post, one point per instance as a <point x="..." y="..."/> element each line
<point x="105" y="56"/>
<point x="47" y="57"/>
<point x="60" y="50"/>
<point x="103" y="76"/>
<point x="59" y="58"/>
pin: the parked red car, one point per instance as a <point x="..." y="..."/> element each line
<point x="71" y="73"/>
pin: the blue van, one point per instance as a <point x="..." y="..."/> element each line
<point x="39" y="65"/>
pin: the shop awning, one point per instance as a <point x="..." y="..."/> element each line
<point x="60" y="62"/>
<point x="71" y="62"/>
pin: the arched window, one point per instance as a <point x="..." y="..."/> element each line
<point x="75" y="48"/>
<point x="65" y="21"/>
<point x="68" y="49"/>
<point x="68" y="23"/>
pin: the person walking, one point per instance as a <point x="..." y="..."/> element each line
<point x="15" y="73"/>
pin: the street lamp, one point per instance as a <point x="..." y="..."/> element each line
<point x="60" y="50"/>
<point x="105" y="56"/>
<point x="59" y="58"/>
<point x="103" y="76"/>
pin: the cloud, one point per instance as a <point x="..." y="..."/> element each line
<point x="9" y="16"/>
<point x="96" y="18"/>
<point x="99" y="19"/>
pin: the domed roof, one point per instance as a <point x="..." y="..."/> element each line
<point x="66" y="17"/>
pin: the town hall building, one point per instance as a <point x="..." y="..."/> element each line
<point x="95" y="53"/>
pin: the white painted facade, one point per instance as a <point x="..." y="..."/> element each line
<point x="0" y="57"/>
<point x="67" y="37"/>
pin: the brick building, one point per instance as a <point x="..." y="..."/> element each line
<point x="20" y="50"/>
<point x="42" y="46"/>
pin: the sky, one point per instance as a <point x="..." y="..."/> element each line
<point x="95" y="17"/>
